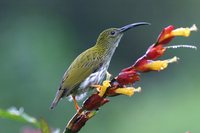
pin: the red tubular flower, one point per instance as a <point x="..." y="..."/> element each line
<point x="128" y="77"/>
<point x="81" y="120"/>
<point x="165" y="36"/>
<point x="155" y="51"/>
<point x="94" y="102"/>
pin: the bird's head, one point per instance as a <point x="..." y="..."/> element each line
<point x="111" y="37"/>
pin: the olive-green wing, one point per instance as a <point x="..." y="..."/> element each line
<point x="84" y="65"/>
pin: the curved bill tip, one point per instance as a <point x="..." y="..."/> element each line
<point x="129" y="26"/>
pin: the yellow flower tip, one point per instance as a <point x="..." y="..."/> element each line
<point x="106" y="83"/>
<point x="157" y="65"/>
<point x="129" y="91"/>
<point x="103" y="88"/>
<point x="184" y="31"/>
<point x="160" y="64"/>
<point x="181" y="32"/>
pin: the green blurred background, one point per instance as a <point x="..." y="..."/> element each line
<point x="39" y="39"/>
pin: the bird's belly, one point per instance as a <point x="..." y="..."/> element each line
<point x="94" y="78"/>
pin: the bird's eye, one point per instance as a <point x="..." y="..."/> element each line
<point x="112" y="33"/>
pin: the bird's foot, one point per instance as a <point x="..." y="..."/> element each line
<point x="76" y="105"/>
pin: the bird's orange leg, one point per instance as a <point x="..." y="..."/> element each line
<point x="76" y="103"/>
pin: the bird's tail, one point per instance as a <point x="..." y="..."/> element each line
<point x="57" y="98"/>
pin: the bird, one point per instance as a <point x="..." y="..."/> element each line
<point x="90" y="67"/>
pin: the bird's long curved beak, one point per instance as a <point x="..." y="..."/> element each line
<point x="127" y="27"/>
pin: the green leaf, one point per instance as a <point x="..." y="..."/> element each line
<point x="18" y="115"/>
<point x="21" y="116"/>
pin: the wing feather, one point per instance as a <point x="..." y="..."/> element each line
<point x="84" y="65"/>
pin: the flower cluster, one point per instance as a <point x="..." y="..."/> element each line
<point x="147" y="62"/>
<point x="122" y="84"/>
